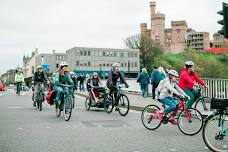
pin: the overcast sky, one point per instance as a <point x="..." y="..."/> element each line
<point x="63" y="24"/>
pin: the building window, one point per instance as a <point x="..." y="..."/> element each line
<point x="85" y="53"/>
<point x="125" y="64"/>
<point x="89" y="53"/>
<point x="81" y="53"/>
<point x="57" y="65"/>
<point x="136" y="64"/>
<point x="121" y="54"/>
<point x="89" y="63"/>
<point x="103" y="53"/>
<point x="121" y="64"/>
<point x="85" y="64"/>
<point x="114" y="54"/>
<point x="77" y="63"/>
<point x="103" y="65"/>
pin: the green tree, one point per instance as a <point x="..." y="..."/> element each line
<point x="148" y="48"/>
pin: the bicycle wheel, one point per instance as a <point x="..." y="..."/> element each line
<point x="57" y="110"/>
<point x="215" y="136"/>
<point x="202" y="106"/>
<point x="190" y="122"/>
<point x="73" y="101"/>
<point x="108" y="104"/>
<point x="87" y="104"/>
<point x="149" y="118"/>
<point x="67" y="108"/>
<point x="123" y="105"/>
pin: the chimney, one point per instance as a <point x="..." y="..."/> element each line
<point x="152" y="8"/>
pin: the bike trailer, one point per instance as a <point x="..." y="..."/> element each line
<point x="217" y="103"/>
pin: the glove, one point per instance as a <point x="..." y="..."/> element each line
<point x="127" y="86"/>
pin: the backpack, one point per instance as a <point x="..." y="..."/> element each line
<point x="160" y="87"/>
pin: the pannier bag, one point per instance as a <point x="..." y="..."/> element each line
<point x="217" y="103"/>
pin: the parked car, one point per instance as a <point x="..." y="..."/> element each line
<point x="2" y="86"/>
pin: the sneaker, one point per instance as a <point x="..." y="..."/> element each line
<point x="172" y="119"/>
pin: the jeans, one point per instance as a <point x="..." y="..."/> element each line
<point x="59" y="91"/>
<point x="153" y="90"/>
<point x="19" y="87"/>
<point x="171" y="102"/>
<point x="193" y="94"/>
<point x="144" y="90"/>
<point x="81" y="86"/>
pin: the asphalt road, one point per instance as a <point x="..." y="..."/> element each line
<point x="25" y="129"/>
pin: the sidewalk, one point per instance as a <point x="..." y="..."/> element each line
<point x="137" y="102"/>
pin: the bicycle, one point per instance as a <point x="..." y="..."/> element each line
<point x="66" y="102"/>
<point x="215" y="129"/>
<point x="121" y="102"/>
<point x="189" y="121"/>
<point x="39" y="96"/>
<point x="200" y="103"/>
<point x="98" y="98"/>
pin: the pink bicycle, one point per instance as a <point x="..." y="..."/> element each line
<point x="190" y="121"/>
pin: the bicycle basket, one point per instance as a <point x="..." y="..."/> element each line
<point x="217" y="103"/>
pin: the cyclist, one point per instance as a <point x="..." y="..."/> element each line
<point x="62" y="77"/>
<point x="94" y="80"/>
<point x="113" y="76"/>
<point x="187" y="80"/>
<point x="168" y="88"/>
<point x="39" y="77"/>
<point x="19" y="79"/>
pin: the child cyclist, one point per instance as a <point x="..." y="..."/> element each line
<point x="168" y="88"/>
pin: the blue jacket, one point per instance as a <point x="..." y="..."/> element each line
<point x="143" y="78"/>
<point x="156" y="77"/>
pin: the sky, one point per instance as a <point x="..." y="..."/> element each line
<point x="63" y="24"/>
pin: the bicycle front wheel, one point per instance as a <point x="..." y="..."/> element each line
<point x="67" y="109"/>
<point x="108" y="104"/>
<point x="123" y="105"/>
<point x="215" y="132"/>
<point x="149" y="117"/>
<point x="57" y="110"/>
<point x="190" y="122"/>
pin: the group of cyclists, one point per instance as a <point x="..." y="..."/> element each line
<point x="167" y="87"/>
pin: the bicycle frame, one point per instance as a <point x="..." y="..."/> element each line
<point x="201" y="91"/>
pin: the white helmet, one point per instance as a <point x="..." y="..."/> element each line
<point x="62" y="64"/>
<point x="72" y="73"/>
<point x="95" y="74"/>
<point x="39" y="67"/>
<point x="115" y="65"/>
<point x="189" y="63"/>
<point x="173" y="72"/>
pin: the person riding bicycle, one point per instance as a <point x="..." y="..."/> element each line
<point x="62" y="77"/>
<point x="113" y="76"/>
<point x="39" y="77"/>
<point x="187" y="80"/>
<point x="169" y="87"/>
<point x="19" y="79"/>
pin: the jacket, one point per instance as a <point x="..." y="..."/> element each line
<point x="113" y="77"/>
<point x="65" y="79"/>
<point x="143" y="78"/>
<point x="19" y="78"/>
<point x="187" y="79"/>
<point x="170" y="88"/>
<point x="156" y="77"/>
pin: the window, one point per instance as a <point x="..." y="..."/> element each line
<point x="57" y="65"/>
<point x="88" y="53"/>
<point x="85" y="53"/>
<point x="121" y="64"/>
<point x="136" y="64"/>
<point x="103" y="65"/>
<point x="125" y="64"/>
<point x="77" y="63"/>
<point x="81" y="53"/>
<point x="107" y="65"/>
<point x="103" y="53"/>
<point x="89" y="63"/>
<point x="114" y="54"/>
<point x="121" y="54"/>
<point x="85" y="64"/>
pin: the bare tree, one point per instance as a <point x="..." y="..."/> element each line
<point x="148" y="48"/>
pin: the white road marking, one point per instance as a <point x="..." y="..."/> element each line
<point x="19" y="128"/>
<point x="172" y="149"/>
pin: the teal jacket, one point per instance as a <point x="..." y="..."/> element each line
<point x="143" y="78"/>
<point x="65" y="79"/>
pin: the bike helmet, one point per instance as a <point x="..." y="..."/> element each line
<point x="173" y="73"/>
<point x="39" y="67"/>
<point x="72" y="73"/>
<point x="64" y="63"/>
<point x="189" y="63"/>
<point x="115" y="65"/>
<point x="95" y="74"/>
